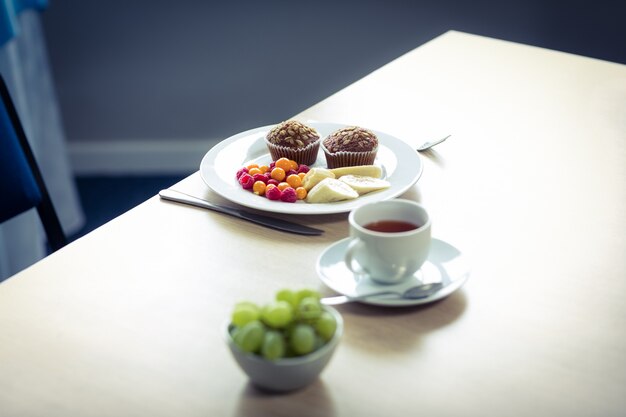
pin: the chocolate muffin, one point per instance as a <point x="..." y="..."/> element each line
<point x="350" y="146"/>
<point x="293" y="140"/>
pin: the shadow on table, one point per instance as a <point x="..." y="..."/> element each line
<point x="412" y="193"/>
<point x="399" y="328"/>
<point x="259" y="403"/>
<point x="435" y="156"/>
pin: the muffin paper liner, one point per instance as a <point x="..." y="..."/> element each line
<point x="306" y="155"/>
<point x="349" y="159"/>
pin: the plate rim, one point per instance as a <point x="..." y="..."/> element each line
<point x="394" y="302"/>
<point x="208" y="159"/>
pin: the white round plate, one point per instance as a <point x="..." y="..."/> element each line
<point x="445" y="264"/>
<point x="400" y="163"/>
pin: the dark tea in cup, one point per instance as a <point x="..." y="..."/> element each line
<point x="391" y="226"/>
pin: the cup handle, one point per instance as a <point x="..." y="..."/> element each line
<point x="355" y="245"/>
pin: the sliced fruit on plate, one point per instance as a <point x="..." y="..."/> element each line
<point x="363" y="184"/>
<point x="330" y="190"/>
<point x="366" y="170"/>
<point x="315" y="176"/>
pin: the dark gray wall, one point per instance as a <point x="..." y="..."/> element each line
<point x="166" y="69"/>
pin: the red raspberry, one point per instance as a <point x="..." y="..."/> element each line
<point x="260" y="177"/>
<point x="289" y="195"/>
<point x="273" y="194"/>
<point x="246" y="181"/>
<point x="241" y="171"/>
<point x="272" y="165"/>
<point x="303" y="168"/>
<point x="272" y="181"/>
<point x="290" y="172"/>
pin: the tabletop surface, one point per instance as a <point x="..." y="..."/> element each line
<point x="531" y="187"/>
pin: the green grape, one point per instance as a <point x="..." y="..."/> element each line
<point x="289" y="296"/>
<point x="250" y="337"/>
<point x="309" y="309"/>
<point x="273" y="345"/>
<point x="307" y="292"/>
<point x="245" y="312"/>
<point x="302" y="339"/>
<point x="326" y="325"/>
<point x="277" y="314"/>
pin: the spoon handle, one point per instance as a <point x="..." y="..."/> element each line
<point x="429" y="145"/>
<point x="342" y="299"/>
<point x="413" y="293"/>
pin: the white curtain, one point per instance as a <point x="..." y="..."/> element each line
<point x="24" y="65"/>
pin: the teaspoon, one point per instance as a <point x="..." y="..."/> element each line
<point x="413" y="293"/>
<point x="428" y="145"/>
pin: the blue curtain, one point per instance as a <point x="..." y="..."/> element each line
<point x="9" y="10"/>
<point x="25" y="68"/>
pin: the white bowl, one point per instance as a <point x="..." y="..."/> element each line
<point x="286" y="374"/>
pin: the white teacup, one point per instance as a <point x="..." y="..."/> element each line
<point x="390" y="240"/>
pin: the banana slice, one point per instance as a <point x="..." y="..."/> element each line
<point x="363" y="185"/>
<point x="329" y="190"/>
<point x="373" y="171"/>
<point x="314" y="176"/>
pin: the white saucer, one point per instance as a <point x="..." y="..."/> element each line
<point x="445" y="264"/>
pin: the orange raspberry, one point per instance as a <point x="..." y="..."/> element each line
<point x="278" y="174"/>
<point x="259" y="188"/>
<point x="283" y="163"/>
<point x="301" y="193"/>
<point x="294" y="180"/>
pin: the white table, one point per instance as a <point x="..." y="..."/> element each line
<point x="532" y="186"/>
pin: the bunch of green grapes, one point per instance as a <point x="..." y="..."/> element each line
<point x="294" y="324"/>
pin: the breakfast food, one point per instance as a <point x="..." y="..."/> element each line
<point x="350" y="154"/>
<point x="280" y="181"/>
<point x="295" y="141"/>
<point x="350" y="146"/>
<point x="287" y="181"/>
<point x="330" y="190"/>
<point x="315" y="176"/>
<point x="363" y="185"/>
<point x="294" y="324"/>
<point x="366" y="170"/>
